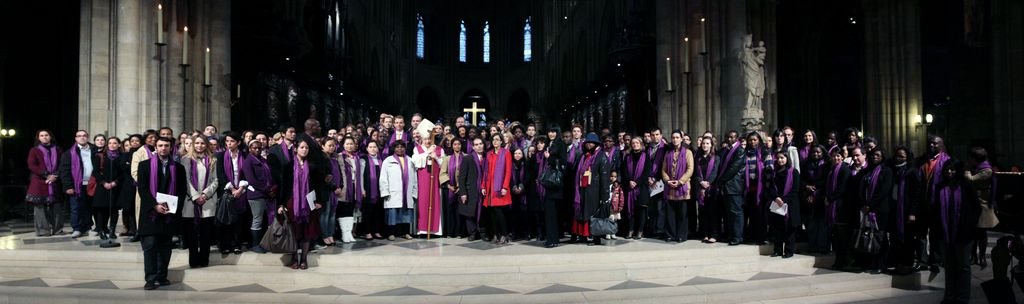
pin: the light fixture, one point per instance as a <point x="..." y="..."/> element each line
<point x="3" y="132"/>
<point x="925" y="120"/>
<point x="928" y="119"/>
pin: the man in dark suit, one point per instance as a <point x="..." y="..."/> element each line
<point x="280" y="155"/>
<point x="731" y="182"/>
<point x="469" y="187"/>
<point x="157" y="222"/>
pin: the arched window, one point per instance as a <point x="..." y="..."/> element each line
<point x="462" y="41"/>
<point x="487" y="42"/>
<point x="420" y="39"/>
<point x="527" y="41"/>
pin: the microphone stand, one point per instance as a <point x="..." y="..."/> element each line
<point x="110" y="242"/>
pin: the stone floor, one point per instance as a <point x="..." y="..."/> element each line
<point x="65" y="270"/>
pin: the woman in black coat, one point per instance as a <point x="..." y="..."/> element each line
<point x="126" y="197"/>
<point x="636" y="168"/>
<point x="108" y="190"/>
<point x="555" y="156"/>
<point x="536" y="192"/>
<point x="812" y="175"/>
<point x="704" y="176"/>
<point x="956" y="211"/>
<point x="875" y="191"/>
<point x="783" y="190"/>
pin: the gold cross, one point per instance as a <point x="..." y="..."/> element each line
<point x="474" y="111"/>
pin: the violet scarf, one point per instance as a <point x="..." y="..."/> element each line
<point x="760" y="170"/>
<point x="300" y="187"/>
<point x="636" y="171"/>
<point x="171" y="188"/>
<point x="454" y="162"/>
<point x="541" y="167"/>
<point x="374" y="163"/>
<point x="585" y="164"/>
<point x="50" y="164"/>
<point x="480" y="166"/>
<point x="229" y="168"/>
<point x="945" y="195"/>
<point x="404" y="164"/>
<point x="76" y="169"/>
<point x="704" y="176"/>
<point x="335" y="180"/>
<point x="833" y="186"/>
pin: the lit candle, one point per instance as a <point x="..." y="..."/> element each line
<point x="238" y="91"/>
<point x="184" y="47"/>
<point x="206" y="67"/>
<point x="703" y="37"/>
<point x="160" y="24"/>
<point x="686" y="54"/>
<point x="668" y="74"/>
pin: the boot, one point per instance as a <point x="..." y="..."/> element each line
<point x="346" y="224"/>
<point x="256" y="237"/>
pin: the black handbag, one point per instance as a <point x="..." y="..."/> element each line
<point x="552" y="177"/>
<point x="869" y="238"/>
<point x="602" y="225"/>
<point x="226" y="212"/>
<point x="279" y="237"/>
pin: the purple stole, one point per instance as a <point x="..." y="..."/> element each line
<point x="392" y="140"/>
<point x="519" y="178"/>
<point x="50" y="164"/>
<point x="680" y="162"/>
<point x="335" y="180"/>
<point x="480" y="166"/>
<point x="585" y="164"/>
<point x="870" y="191"/>
<point x="572" y="150"/>
<point x="635" y="171"/>
<point x="171" y="188"/>
<point x="355" y="192"/>
<point x="833" y="186"/>
<point x="300" y="187"/>
<point x="195" y="183"/>
<point x="611" y="153"/>
<point x="404" y="163"/>
<point x="541" y="167"/>
<point x="499" y="172"/>
<point x="287" y="151"/>
<point x="728" y="156"/>
<point x="373" y="163"/>
<point x="656" y="153"/>
<point x="453" y="169"/>
<point x="788" y="187"/>
<point x="805" y="151"/>
<point x="760" y="170"/>
<point x="944" y="200"/>
<point x="76" y="169"/>
<point x="703" y="176"/>
<point x="936" y="178"/>
<point x="113" y="154"/>
<point x="900" y="199"/>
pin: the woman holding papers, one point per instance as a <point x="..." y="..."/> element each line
<point x="784" y="211"/>
<point x="298" y="192"/>
<point x="200" y="203"/>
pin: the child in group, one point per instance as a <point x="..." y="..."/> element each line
<point x="617" y="200"/>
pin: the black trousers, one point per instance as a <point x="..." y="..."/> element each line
<point x="156" y="252"/>
<point x="902" y="248"/>
<point x="784" y="234"/>
<point x="634" y="223"/>
<point x="198" y="238"/>
<point x="373" y="216"/>
<point x="757" y="226"/>
<point x="710" y="218"/>
<point x="472" y="228"/>
<point x="551" y="227"/>
<point x="499" y="226"/>
<point x="957" y="264"/>
<point x="818" y="232"/>
<point x="105" y="220"/>
<point x="449" y="216"/>
<point x="841" y="238"/>
<point x="676" y="219"/>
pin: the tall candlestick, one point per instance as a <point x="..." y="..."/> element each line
<point x="668" y="74"/>
<point x="206" y="67"/>
<point x="184" y="47"/>
<point x="703" y="37"/>
<point x="686" y="55"/>
<point x="238" y="91"/>
<point x="160" y="24"/>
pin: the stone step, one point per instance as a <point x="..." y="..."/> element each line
<point x="817" y="287"/>
<point x="419" y="275"/>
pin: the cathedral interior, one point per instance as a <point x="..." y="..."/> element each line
<point x="897" y="69"/>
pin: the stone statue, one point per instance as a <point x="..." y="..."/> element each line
<point x="752" y="60"/>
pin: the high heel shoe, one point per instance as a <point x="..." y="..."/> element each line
<point x="295" y="261"/>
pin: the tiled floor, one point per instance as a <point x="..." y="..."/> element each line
<point x="15" y="237"/>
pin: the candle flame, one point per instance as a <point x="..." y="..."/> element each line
<point x="667" y="59"/>
<point x="207" y="50"/>
<point x="186" y="28"/>
<point x="701" y="19"/>
<point x="686" y="39"/>
<point x="160" y="6"/>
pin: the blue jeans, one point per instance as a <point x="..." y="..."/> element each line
<point x="81" y="220"/>
<point x="735" y="205"/>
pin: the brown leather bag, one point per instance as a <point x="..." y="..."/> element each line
<point x="90" y="189"/>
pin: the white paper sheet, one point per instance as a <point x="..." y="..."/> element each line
<point x="774" y="208"/>
<point x="311" y="199"/>
<point x="657" y="188"/>
<point x="171" y="200"/>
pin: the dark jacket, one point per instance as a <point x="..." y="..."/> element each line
<point x="109" y="170"/>
<point x="279" y="162"/>
<point x="469" y="185"/>
<point x="126" y="199"/>
<point x="64" y="169"/>
<point x="732" y="181"/>
<point x="776" y="186"/>
<point x="643" y="188"/>
<point x="838" y="195"/>
<point x="880" y="201"/>
<point x="910" y="178"/>
<point x="257" y="173"/>
<point x="222" y="176"/>
<point x="598" y="192"/>
<point x="151" y="222"/>
<point x="702" y="173"/>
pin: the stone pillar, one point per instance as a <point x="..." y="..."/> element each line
<point x="1007" y="47"/>
<point x="893" y="73"/>
<point x="734" y="94"/>
<point x="96" y="67"/>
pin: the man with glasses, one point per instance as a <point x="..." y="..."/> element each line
<point x="76" y="167"/>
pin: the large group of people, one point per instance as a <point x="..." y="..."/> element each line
<point x="878" y="209"/>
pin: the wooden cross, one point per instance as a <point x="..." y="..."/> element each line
<point x="474" y="111"/>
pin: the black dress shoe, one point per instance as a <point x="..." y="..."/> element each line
<point x="734" y="243"/>
<point x="775" y="254"/>
<point x="551" y="245"/>
<point x="150" y="286"/>
<point x="134" y="239"/>
<point x="164" y="282"/>
<point x="787" y="255"/>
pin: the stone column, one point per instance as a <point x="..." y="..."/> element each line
<point x="893" y="73"/>
<point x="96" y="67"/>
<point x="734" y="95"/>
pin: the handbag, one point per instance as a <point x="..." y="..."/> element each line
<point x="225" y="215"/>
<point x="552" y="177"/>
<point x="90" y="188"/>
<point x="279" y="237"/>
<point x="988" y="218"/>
<point x="869" y="239"/>
<point x="602" y="225"/>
